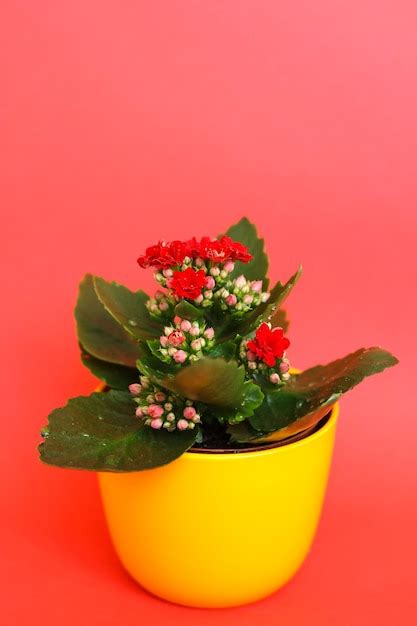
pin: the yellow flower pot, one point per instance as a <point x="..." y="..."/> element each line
<point x="220" y="530"/>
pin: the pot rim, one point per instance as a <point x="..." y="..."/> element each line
<point x="274" y="448"/>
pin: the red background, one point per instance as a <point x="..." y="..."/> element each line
<point x="122" y="122"/>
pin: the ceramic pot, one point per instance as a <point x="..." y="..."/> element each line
<point x="220" y="530"/>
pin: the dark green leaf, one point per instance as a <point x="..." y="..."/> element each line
<point x="114" y="375"/>
<point x="152" y="366"/>
<point x="245" y="232"/>
<point x="317" y="388"/>
<point x="216" y="382"/>
<point x="102" y="433"/>
<point x="266" y="310"/>
<point x="242" y="432"/>
<point x="128" y="308"/>
<point x="226" y="349"/>
<point x="280" y="319"/>
<point x="98" y="332"/>
<point x="155" y="348"/>
<point x="188" y="311"/>
<point x="252" y="398"/>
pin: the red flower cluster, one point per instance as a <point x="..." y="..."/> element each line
<point x="164" y="254"/>
<point x="222" y="250"/>
<point x="189" y="283"/>
<point x="268" y="345"/>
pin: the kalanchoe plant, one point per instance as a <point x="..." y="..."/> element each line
<point x="202" y="363"/>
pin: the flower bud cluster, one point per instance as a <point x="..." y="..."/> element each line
<point x="276" y="374"/>
<point x="215" y="276"/>
<point x="160" y="409"/>
<point x="162" y="305"/>
<point x="185" y="341"/>
<point x="239" y="296"/>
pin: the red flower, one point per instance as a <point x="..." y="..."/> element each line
<point x="189" y="283"/>
<point x="237" y="251"/>
<point x="176" y="338"/>
<point x="213" y="250"/>
<point x="193" y="248"/>
<point x="164" y="255"/>
<point x="224" y="249"/>
<point x="268" y="345"/>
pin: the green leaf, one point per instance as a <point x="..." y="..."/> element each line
<point x="280" y="319"/>
<point x="242" y="432"/>
<point x="152" y="366"/>
<point x="266" y="310"/>
<point x="188" y="311"/>
<point x="245" y="232"/>
<point x="114" y="375"/>
<point x="252" y="398"/>
<point x="227" y="349"/>
<point x="102" y="433"/>
<point x="128" y="308"/>
<point x="216" y="382"/>
<point x="317" y="388"/>
<point x="98" y="332"/>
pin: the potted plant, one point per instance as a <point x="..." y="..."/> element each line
<point x="212" y="454"/>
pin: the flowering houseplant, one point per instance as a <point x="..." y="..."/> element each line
<point x="201" y="364"/>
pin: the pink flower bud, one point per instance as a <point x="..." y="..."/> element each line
<point x="231" y="300"/>
<point x="168" y="273"/>
<point x="194" y="331"/>
<point x="215" y="271"/>
<point x="284" y="367"/>
<point x="163" y="341"/>
<point x="185" y="325"/>
<point x="155" y="410"/>
<point x="189" y="412"/>
<point x="196" y="345"/>
<point x="199" y="299"/>
<point x="248" y="299"/>
<point x="210" y="282"/>
<point x="176" y="338"/>
<point x="251" y="356"/>
<point x="199" y="261"/>
<point x="159" y="295"/>
<point x="139" y="412"/>
<point x="256" y="286"/>
<point x="265" y="296"/>
<point x="135" y="389"/>
<point x="229" y="266"/>
<point x="196" y="418"/>
<point x="160" y="396"/>
<point x="180" y="356"/>
<point x="274" y="378"/>
<point x="177" y="320"/>
<point x="156" y="423"/>
<point x="163" y="306"/>
<point x="209" y="333"/>
<point x="182" y="424"/>
<point x="240" y="281"/>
